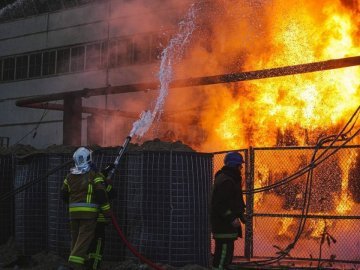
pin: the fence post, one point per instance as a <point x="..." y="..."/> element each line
<point x="249" y="175"/>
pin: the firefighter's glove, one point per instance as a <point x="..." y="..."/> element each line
<point x="236" y="223"/>
<point x="107" y="169"/>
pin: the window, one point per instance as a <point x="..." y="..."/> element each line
<point x="69" y="3"/>
<point x="29" y="8"/>
<point x="41" y="6"/>
<point x="22" y="63"/>
<point x="1" y="69"/>
<point x="35" y="65"/>
<point x="54" y="5"/>
<point x="113" y="53"/>
<point x="93" y="56"/>
<point x="104" y="54"/>
<point x="77" y="58"/>
<point x="124" y="52"/>
<point x="141" y="49"/>
<point x="63" y="61"/>
<point x="48" y="63"/>
<point x="14" y="12"/>
<point x="9" y="69"/>
<point x="83" y="2"/>
<point x="158" y="44"/>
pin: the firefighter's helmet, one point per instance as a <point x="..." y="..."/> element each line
<point x="82" y="158"/>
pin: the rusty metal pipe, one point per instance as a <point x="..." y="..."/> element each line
<point x="207" y="80"/>
<point x="270" y="73"/>
<point x="90" y="110"/>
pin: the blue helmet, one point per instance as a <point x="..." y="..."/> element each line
<point x="233" y="159"/>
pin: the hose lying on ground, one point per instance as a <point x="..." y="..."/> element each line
<point x="130" y="247"/>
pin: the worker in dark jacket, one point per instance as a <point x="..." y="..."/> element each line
<point x="227" y="209"/>
<point x="96" y="249"/>
<point x="84" y="190"/>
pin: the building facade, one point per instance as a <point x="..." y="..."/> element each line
<point x="52" y="54"/>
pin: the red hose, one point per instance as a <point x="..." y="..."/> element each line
<point x="131" y="248"/>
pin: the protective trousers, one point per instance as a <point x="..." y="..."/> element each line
<point x="96" y="249"/>
<point x="224" y="250"/>
<point x="82" y="234"/>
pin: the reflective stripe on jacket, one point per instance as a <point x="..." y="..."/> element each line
<point x="110" y="192"/>
<point x="86" y="195"/>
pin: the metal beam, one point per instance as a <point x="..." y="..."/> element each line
<point x="207" y="80"/>
<point x="85" y="109"/>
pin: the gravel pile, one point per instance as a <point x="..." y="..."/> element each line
<point x="21" y="150"/>
<point x="157" y="145"/>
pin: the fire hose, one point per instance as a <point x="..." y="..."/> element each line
<point x="117" y="160"/>
<point x="130" y="247"/>
<point x="113" y="218"/>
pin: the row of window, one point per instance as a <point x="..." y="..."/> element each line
<point x="11" y="9"/>
<point x="114" y="53"/>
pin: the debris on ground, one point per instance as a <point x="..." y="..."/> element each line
<point x="11" y="258"/>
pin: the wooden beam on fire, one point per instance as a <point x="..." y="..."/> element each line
<point x="207" y="80"/>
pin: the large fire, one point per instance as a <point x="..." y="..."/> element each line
<point x="254" y="35"/>
<point x="345" y="202"/>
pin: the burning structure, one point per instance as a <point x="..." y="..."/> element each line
<point x="112" y="48"/>
<point x="97" y="64"/>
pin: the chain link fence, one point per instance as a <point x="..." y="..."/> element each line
<point x="332" y="222"/>
<point x="161" y="204"/>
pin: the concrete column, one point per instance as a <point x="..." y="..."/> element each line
<point x="72" y="120"/>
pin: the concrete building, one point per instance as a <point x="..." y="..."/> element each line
<point x="56" y="52"/>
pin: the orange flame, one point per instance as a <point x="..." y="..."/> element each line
<point x="318" y="227"/>
<point x="345" y="201"/>
<point x="276" y="34"/>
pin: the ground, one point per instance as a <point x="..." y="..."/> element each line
<point x="11" y="258"/>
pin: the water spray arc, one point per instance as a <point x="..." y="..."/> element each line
<point x="172" y="53"/>
<point x="169" y="56"/>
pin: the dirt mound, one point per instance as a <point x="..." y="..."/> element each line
<point x="158" y="145"/>
<point x="18" y="150"/>
<point x="21" y="150"/>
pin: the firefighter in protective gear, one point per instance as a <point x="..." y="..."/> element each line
<point x="227" y="209"/>
<point x="96" y="249"/>
<point x="84" y="190"/>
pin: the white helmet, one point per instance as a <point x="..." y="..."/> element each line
<point x="82" y="158"/>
